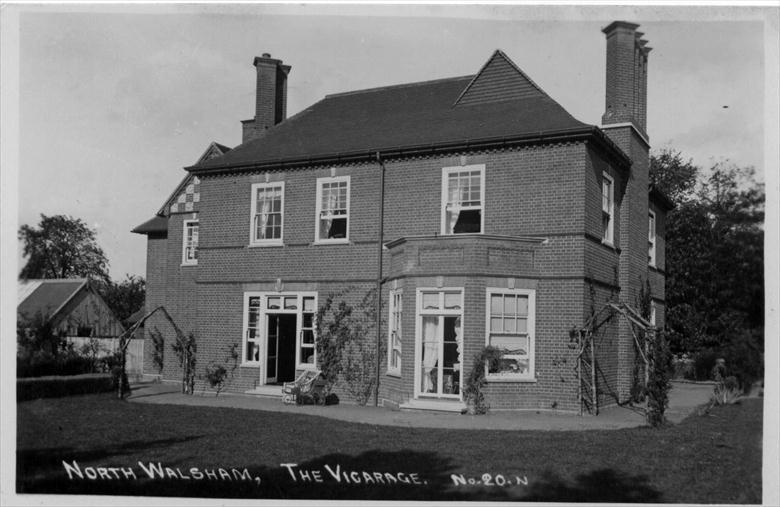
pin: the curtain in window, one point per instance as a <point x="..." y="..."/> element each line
<point x="430" y="352"/>
<point x="330" y="200"/>
<point x="263" y="217"/>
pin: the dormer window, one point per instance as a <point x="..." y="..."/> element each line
<point x="463" y="200"/>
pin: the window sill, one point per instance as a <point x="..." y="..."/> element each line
<point x="392" y="373"/>
<point x="517" y="380"/>
<point x="249" y="365"/>
<point x="306" y="366"/>
<point x="608" y="244"/>
<point x="265" y="245"/>
<point x="189" y="264"/>
<point x="331" y="242"/>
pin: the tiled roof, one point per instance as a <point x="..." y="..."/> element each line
<point x="156" y="224"/>
<point x="430" y="113"/>
<point x="49" y="296"/>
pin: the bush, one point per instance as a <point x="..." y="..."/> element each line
<point x="42" y="363"/>
<point x="472" y="392"/>
<point x="55" y="387"/>
<point x="744" y="358"/>
<point x="658" y="386"/>
<point x="703" y="363"/>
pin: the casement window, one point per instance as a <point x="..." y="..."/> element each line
<point x="510" y="327"/>
<point x="439" y="339"/>
<point x="651" y="239"/>
<point x="463" y="200"/>
<point x="267" y="213"/>
<point x="190" y="243"/>
<point x="394" y="333"/>
<point x="608" y="209"/>
<point x="332" y="210"/>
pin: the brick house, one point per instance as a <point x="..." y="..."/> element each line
<point x="505" y="222"/>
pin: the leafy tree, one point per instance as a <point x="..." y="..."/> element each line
<point x="714" y="260"/>
<point x="62" y="247"/>
<point x="673" y="175"/>
<point x="126" y="297"/>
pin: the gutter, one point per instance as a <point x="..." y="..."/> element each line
<point x="587" y="133"/>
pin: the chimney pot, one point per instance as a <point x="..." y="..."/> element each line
<point x="266" y="55"/>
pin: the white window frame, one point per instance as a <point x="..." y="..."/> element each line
<point x="445" y="174"/>
<point x="608" y="236"/>
<point x="441" y="312"/>
<point x="395" y="317"/>
<point x="320" y="182"/>
<point x="262" y="337"/>
<point x="185" y="260"/>
<point x="652" y="313"/>
<point x="253" y="239"/>
<point x="530" y="375"/>
<point x="651" y="238"/>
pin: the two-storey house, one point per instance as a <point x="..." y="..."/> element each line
<point x="504" y="221"/>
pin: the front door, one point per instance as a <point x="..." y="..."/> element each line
<point x="280" y="356"/>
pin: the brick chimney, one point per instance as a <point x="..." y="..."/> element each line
<point x="271" y="97"/>
<point x="626" y="97"/>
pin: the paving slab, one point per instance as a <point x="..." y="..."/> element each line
<point x="684" y="399"/>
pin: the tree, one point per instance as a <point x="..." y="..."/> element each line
<point x="62" y="247"/>
<point x="126" y="297"/>
<point x="714" y="260"/>
<point x="672" y="175"/>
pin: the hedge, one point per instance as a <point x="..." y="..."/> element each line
<point x="55" y="387"/>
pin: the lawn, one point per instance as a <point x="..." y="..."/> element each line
<point x="112" y="447"/>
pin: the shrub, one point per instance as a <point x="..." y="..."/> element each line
<point x="472" y="391"/>
<point x="54" y="387"/>
<point x="744" y="358"/>
<point x="158" y="349"/>
<point x="703" y="363"/>
<point x="186" y="349"/>
<point x="658" y="386"/>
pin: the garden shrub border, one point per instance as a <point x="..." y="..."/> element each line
<point x="58" y="386"/>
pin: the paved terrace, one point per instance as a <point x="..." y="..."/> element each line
<point x="684" y="399"/>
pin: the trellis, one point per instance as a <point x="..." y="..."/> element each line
<point x="124" y="341"/>
<point x="587" y="384"/>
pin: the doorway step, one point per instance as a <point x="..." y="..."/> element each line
<point x="434" y="405"/>
<point x="270" y="391"/>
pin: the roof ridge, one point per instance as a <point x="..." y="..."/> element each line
<point x="402" y="85"/>
<point x="55" y="280"/>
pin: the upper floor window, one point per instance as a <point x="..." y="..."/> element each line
<point x="608" y="209"/>
<point x="651" y="239"/>
<point x="332" y="209"/>
<point x="463" y="199"/>
<point x="190" y="243"/>
<point x="510" y="323"/>
<point x="267" y="213"/>
<point x="394" y="335"/>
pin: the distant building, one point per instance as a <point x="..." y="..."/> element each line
<point x="72" y="306"/>
<point x="506" y="221"/>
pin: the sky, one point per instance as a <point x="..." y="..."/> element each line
<point x="114" y="100"/>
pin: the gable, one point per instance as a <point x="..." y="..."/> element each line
<point x="499" y="80"/>
<point x="187" y="194"/>
<point x="49" y="296"/>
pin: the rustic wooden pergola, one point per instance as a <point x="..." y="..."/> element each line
<point x="587" y="385"/>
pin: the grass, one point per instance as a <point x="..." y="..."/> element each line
<point x="714" y="458"/>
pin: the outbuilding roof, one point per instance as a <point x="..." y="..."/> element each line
<point x="498" y="103"/>
<point x="47" y="297"/>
